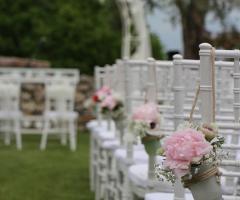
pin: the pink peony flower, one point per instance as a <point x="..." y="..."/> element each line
<point x="183" y="148"/>
<point x="101" y="93"/>
<point x="109" y="102"/>
<point x="146" y="113"/>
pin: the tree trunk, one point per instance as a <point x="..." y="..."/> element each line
<point x="193" y="28"/>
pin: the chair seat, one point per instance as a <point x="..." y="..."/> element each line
<point x="91" y="124"/>
<point x="10" y="115"/>
<point x="95" y="124"/>
<point x="103" y="128"/>
<point x="111" y="144"/>
<point x="139" y="156"/>
<point x="14" y="114"/>
<point x="3" y="115"/>
<point x="52" y="115"/>
<point x="106" y="135"/>
<point x="226" y="189"/>
<point x="138" y="174"/>
<point x="165" y="196"/>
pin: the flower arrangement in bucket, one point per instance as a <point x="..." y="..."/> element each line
<point x="101" y="94"/>
<point x="97" y="97"/>
<point x="112" y="107"/>
<point x="144" y="124"/>
<point x="192" y="154"/>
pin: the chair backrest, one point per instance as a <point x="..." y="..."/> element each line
<point x="3" y="96"/>
<point x="40" y="75"/>
<point x="208" y="57"/>
<point x="119" y="79"/>
<point x="60" y="96"/>
<point x="10" y="92"/>
<point x="164" y="74"/>
<point x="99" y="75"/>
<point x="135" y="83"/>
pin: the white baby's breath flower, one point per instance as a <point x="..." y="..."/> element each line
<point x="183" y="126"/>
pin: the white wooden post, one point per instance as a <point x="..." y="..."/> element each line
<point x="107" y="82"/>
<point x="236" y="108"/>
<point x="206" y="89"/>
<point x="236" y="91"/>
<point x="151" y="97"/>
<point x="128" y="108"/>
<point x="206" y="105"/>
<point x="97" y="86"/>
<point x="120" y="77"/>
<point x="178" y="90"/>
<point x="219" y="72"/>
<point x="151" y="84"/>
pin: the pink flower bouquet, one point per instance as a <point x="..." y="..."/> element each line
<point x="187" y="150"/>
<point x="112" y="105"/>
<point x="144" y="120"/>
<point x="101" y="94"/>
<point x="97" y="98"/>
<point x="184" y="148"/>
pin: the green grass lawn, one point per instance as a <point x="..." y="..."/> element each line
<point x="55" y="174"/>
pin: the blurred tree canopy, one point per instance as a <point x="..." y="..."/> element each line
<point x="69" y="33"/>
<point x="192" y="15"/>
<point x="72" y="33"/>
<point x="157" y="47"/>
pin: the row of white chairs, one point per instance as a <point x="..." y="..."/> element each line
<point x="58" y="116"/>
<point x="121" y="171"/>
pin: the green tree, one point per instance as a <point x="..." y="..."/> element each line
<point x="192" y="15"/>
<point x="73" y="33"/>
<point x="157" y="48"/>
<point x="69" y="33"/>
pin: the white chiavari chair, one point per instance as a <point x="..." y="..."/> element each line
<point x="59" y="115"/>
<point x="10" y="114"/>
<point x="226" y="101"/>
<point x="135" y="85"/>
<point x="177" y="107"/>
<point x="109" y="147"/>
<point x="98" y="75"/>
<point x="135" y="179"/>
<point x="100" y="131"/>
<point x="105" y="140"/>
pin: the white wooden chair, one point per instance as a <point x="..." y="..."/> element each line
<point x="10" y="113"/>
<point x="205" y="77"/>
<point x="135" y="94"/>
<point x="146" y="184"/>
<point x="99" y="136"/>
<point x="99" y="129"/>
<point x="59" y="116"/>
<point x="183" y="95"/>
<point x="106" y="175"/>
<point x="32" y="124"/>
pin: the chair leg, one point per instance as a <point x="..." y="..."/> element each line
<point x="17" y="130"/>
<point x="7" y="135"/>
<point x="97" y="187"/>
<point x="95" y="162"/>
<point x="72" y="136"/>
<point x="7" y="138"/>
<point x="43" y="143"/>
<point x="126" y="195"/>
<point x="91" y="164"/>
<point x="63" y="135"/>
